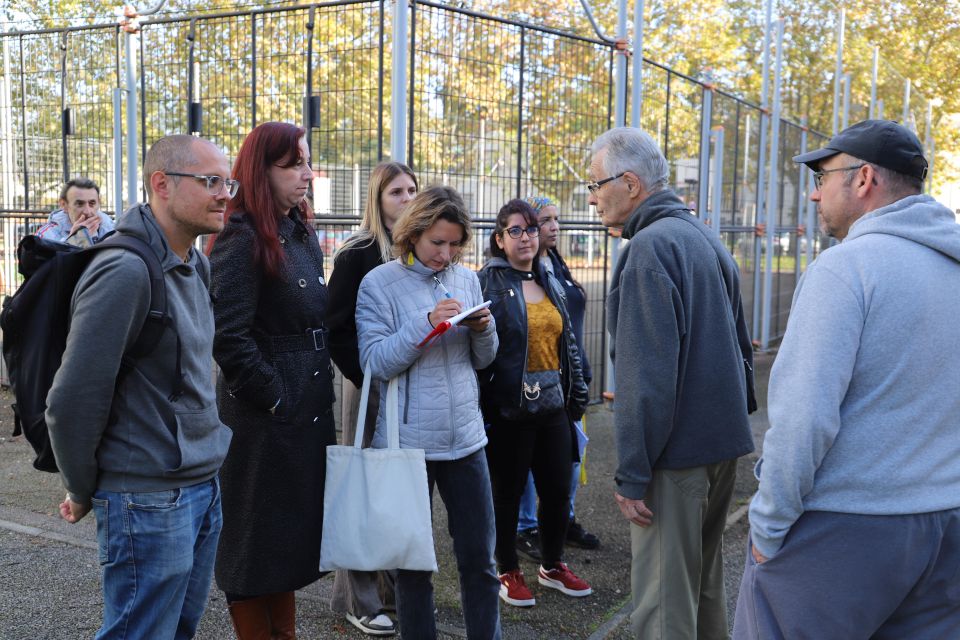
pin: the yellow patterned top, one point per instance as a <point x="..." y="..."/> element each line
<point x="544" y="327"/>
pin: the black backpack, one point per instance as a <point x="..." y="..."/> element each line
<point x="35" y="322"/>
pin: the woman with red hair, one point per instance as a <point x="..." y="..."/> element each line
<point x="275" y="389"/>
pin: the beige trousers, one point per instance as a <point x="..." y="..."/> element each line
<point x="676" y="573"/>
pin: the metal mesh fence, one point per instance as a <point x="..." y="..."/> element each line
<point x="497" y="109"/>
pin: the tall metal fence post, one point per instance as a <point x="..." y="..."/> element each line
<point x="761" y="167"/>
<point x="523" y="42"/>
<point x="308" y="111"/>
<point x="716" y="216"/>
<point x="253" y="70"/>
<point x="636" y="106"/>
<point x="801" y="188"/>
<point x="928" y="143"/>
<point x="412" y="78"/>
<point x="130" y="41"/>
<point x="620" y="119"/>
<point x="772" y="193"/>
<point x="706" y="123"/>
<point x="194" y="107"/>
<point x="117" y="151"/>
<point x="398" y="83"/>
<point x="23" y="134"/>
<point x="64" y="114"/>
<point x="905" y="117"/>
<point x="838" y="73"/>
<point x="846" y="100"/>
<point x="7" y="158"/>
<point x="380" y="85"/>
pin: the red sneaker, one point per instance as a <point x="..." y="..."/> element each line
<point x="564" y="581"/>
<point x="513" y="589"/>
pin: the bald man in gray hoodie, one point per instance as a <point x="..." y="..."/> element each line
<point x="144" y="455"/>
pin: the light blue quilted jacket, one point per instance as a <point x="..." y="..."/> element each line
<point x="439" y="395"/>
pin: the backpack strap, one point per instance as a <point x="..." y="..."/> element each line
<point x="158" y="319"/>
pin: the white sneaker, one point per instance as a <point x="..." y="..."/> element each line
<point x="378" y="625"/>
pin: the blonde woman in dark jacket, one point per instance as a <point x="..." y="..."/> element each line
<point x="362" y="596"/>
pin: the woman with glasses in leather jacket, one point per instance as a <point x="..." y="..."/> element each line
<point x="530" y="395"/>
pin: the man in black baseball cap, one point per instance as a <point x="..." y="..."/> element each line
<point x="855" y="526"/>
<point x="879" y="154"/>
<point x="881" y="142"/>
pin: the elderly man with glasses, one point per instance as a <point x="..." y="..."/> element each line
<point x="855" y="530"/>
<point x="684" y="385"/>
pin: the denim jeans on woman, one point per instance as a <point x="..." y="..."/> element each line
<point x="464" y="486"/>
<point x="156" y="554"/>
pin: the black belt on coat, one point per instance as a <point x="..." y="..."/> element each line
<point x="310" y="340"/>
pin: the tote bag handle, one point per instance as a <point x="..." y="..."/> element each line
<point x="391" y="416"/>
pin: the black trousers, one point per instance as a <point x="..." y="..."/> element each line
<point x="541" y="444"/>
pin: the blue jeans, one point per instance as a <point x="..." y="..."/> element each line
<point x="465" y="489"/>
<point x="156" y="553"/>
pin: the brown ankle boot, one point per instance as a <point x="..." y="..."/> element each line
<point x="251" y="618"/>
<point x="283" y="615"/>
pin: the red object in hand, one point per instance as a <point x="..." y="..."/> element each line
<point x="439" y="330"/>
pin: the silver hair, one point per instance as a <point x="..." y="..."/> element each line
<point x="631" y="149"/>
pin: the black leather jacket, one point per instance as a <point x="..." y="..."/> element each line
<point x="502" y="381"/>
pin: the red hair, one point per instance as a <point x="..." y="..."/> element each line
<point x="269" y="144"/>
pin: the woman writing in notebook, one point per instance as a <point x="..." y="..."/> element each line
<point x="398" y="305"/>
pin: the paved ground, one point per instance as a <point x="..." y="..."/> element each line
<point x="50" y="589"/>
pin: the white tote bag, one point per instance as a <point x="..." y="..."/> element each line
<point x="376" y="506"/>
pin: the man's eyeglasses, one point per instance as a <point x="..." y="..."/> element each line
<point x="818" y="175"/>
<point x="593" y="187"/>
<point x="515" y="232"/>
<point x="215" y="184"/>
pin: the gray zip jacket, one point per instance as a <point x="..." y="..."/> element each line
<point x="439" y="395"/>
<point x="136" y="439"/>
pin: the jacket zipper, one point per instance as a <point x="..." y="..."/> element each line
<point x="526" y="340"/>
<point x="406" y="398"/>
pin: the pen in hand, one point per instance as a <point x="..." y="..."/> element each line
<point x="446" y="293"/>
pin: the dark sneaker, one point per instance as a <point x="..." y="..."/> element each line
<point x="528" y="544"/>
<point x="378" y="625"/>
<point x="577" y="536"/>
<point x="513" y="589"/>
<point x="564" y="581"/>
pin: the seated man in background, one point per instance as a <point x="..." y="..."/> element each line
<point x="79" y="220"/>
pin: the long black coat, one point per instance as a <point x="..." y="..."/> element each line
<point x="271" y="345"/>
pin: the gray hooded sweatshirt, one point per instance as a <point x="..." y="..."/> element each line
<point x="863" y="402"/>
<point x="137" y="439"/>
